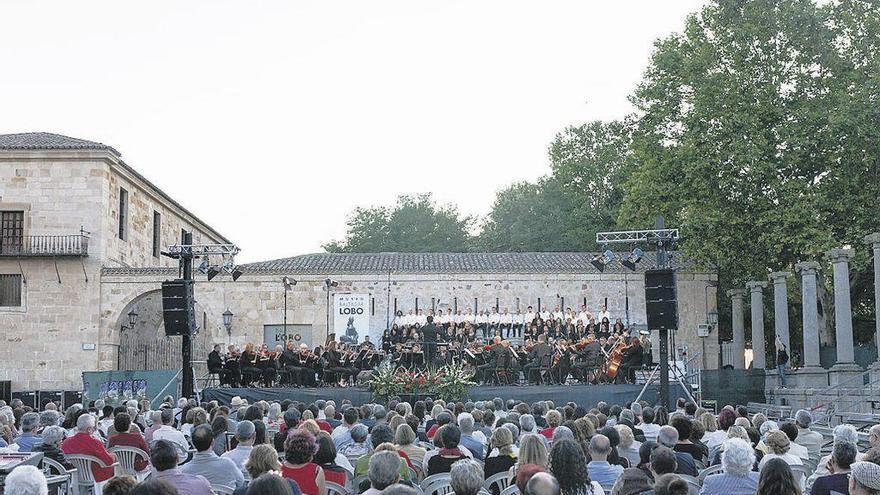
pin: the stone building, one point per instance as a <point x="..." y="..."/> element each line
<point x="79" y="320"/>
<point x="70" y="208"/>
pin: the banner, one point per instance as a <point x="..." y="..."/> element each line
<point x="351" y="318"/>
<point x="116" y="387"/>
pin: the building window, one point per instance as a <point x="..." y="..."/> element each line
<point x="11" y="231"/>
<point x="157" y="233"/>
<point x="10" y="291"/>
<point x="123" y="213"/>
<point x="182" y="235"/>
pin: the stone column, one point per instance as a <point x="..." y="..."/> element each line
<point x="780" y="307"/>
<point x="739" y="333"/>
<point x="756" y="290"/>
<point x="811" y="374"/>
<point x="874" y="241"/>
<point x="843" y="330"/>
<point x="780" y="315"/>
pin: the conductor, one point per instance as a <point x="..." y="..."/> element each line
<point x="429" y="336"/>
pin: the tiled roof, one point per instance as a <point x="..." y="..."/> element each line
<point x="49" y="141"/>
<point x="332" y="263"/>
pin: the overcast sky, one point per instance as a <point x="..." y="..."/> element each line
<point x="273" y="120"/>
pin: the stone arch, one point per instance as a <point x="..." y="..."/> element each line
<point x="145" y="346"/>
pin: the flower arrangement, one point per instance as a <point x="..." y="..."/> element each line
<point x="447" y="383"/>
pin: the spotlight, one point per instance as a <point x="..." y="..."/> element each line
<point x="203" y="266"/>
<point x="598" y="263"/>
<point x="236" y="273"/>
<point x="608" y="256"/>
<point x="634" y="257"/>
<point x="331" y="283"/>
<point x="288" y="283"/>
<point x="212" y="272"/>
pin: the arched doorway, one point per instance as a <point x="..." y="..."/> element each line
<point x="146" y="347"/>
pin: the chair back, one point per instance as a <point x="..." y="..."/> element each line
<point x="83" y="464"/>
<point x="432" y="479"/>
<point x="127" y="456"/>
<point x="51" y="466"/>
<point x="356" y="483"/>
<point x="222" y="489"/>
<point x="413" y="475"/>
<point x="440" y="487"/>
<point x="803" y="471"/>
<point x="511" y="489"/>
<point x="718" y="468"/>
<point x="501" y="480"/>
<point x="335" y="489"/>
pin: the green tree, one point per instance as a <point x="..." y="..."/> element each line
<point x="757" y="135"/>
<point x="414" y="224"/>
<point x="563" y="211"/>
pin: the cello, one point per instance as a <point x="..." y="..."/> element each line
<point x="615" y="358"/>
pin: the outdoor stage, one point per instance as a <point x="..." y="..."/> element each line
<point x="586" y="395"/>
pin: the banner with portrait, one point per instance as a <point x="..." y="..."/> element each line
<point x="351" y="318"/>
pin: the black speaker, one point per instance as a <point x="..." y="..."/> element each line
<point x="27" y="398"/>
<point x="178" y="308"/>
<point x="45" y="396"/>
<point x="660" y="300"/>
<point x="72" y="397"/>
<point x="6" y="390"/>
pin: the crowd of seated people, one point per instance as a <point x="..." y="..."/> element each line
<point x="544" y="448"/>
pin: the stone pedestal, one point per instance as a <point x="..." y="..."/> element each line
<point x="811" y="377"/>
<point x="756" y="290"/>
<point x="737" y="323"/>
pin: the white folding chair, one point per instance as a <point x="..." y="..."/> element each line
<point x="693" y="483"/>
<point x="511" y="489"/>
<point x="127" y="457"/>
<point x="433" y="478"/>
<point x="85" y="479"/>
<point x="718" y="468"/>
<point x="222" y="489"/>
<point x="501" y="480"/>
<point x="440" y="487"/>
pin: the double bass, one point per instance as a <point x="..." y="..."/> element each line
<point x="614" y="360"/>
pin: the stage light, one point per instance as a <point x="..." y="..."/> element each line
<point x="212" y="272"/>
<point x="331" y="283"/>
<point x="632" y="259"/>
<point x="598" y="263"/>
<point x="288" y="283"/>
<point x="236" y="273"/>
<point x="204" y="265"/>
<point x="608" y="256"/>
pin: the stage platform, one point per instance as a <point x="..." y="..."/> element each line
<point x="586" y="395"/>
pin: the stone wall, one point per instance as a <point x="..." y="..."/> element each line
<point x="57" y="333"/>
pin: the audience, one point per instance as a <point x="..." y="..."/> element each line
<point x="545" y="448"/>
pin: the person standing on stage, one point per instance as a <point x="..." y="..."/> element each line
<point x="482" y="321"/>
<point x="505" y="322"/>
<point x="494" y="322"/>
<point x="519" y="321"/>
<point x="429" y="335"/>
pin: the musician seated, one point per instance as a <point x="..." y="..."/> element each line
<point x="539" y="353"/>
<point x="443" y="357"/>
<point x="215" y="361"/>
<point x="496" y="352"/>
<point x="632" y="359"/>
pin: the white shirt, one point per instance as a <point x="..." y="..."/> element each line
<point x="459" y="318"/>
<point x="584" y="316"/>
<point x="444" y="319"/>
<point x="494" y="318"/>
<point x="650" y="430"/>
<point x="169" y="434"/>
<point x="557" y="315"/>
<point x="798" y="450"/>
<point x="469" y="317"/>
<point x="529" y="317"/>
<point x="518" y="319"/>
<point x="604" y="314"/>
<point x="482" y="319"/>
<point x="506" y="319"/>
<point x="545" y="315"/>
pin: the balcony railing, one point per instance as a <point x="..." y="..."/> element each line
<point x="44" y="245"/>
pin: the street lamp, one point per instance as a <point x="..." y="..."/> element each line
<point x="712" y="318"/>
<point x="132" y="317"/>
<point x="227" y="321"/>
<point x="288" y="284"/>
<point x="328" y="283"/>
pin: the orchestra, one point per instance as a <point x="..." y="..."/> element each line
<point x="535" y="347"/>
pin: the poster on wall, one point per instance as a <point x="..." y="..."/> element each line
<point x="351" y="317"/>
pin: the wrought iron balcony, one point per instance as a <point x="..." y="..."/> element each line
<point x="44" y="245"/>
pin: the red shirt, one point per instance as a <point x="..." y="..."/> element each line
<point x="432" y="431"/>
<point x="83" y="443"/>
<point x="132" y="440"/>
<point x="324" y="425"/>
<point x="548" y="433"/>
<point x="304" y="476"/>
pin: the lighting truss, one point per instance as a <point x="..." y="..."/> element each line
<point x="199" y="250"/>
<point x="637" y="236"/>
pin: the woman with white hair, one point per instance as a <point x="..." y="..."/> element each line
<point x="26" y="480"/>
<point x="739" y="432"/>
<point x="738" y="478"/>
<point x="273" y="418"/>
<point x="50" y="445"/>
<point x="841" y="434"/>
